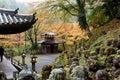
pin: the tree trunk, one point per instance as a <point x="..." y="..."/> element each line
<point x="88" y="32"/>
<point x="82" y="17"/>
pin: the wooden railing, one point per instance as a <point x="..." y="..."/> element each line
<point x="17" y="64"/>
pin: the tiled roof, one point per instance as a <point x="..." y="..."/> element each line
<point x="49" y="42"/>
<point x="12" y="22"/>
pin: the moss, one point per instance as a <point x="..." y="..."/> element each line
<point x="109" y="42"/>
<point x="86" y="52"/>
<point x="112" y="55"/>
<point x="75" y="59"/>
<point x="60" y="60"/>
<point x="118" y="52"/>
<point x="108" y="28"/>
<point x="93" y="53"/>
<point x="110" y="50"/>
<point x="97" y="49"/>
<point x="78" y="51"/>
<point x="102" y="50"/>
<point x="67" y="62"/>
<point x="101" y="61"/>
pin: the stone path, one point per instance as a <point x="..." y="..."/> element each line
<point x="7" y="68"/>
<point x="41" y="60"/>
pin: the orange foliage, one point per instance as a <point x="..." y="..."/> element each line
<point x="65" y="31"/>
<point x="11" y="40"/>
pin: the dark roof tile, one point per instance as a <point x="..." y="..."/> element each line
<point x="11" y="20"/>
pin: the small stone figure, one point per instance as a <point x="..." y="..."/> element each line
<point x="57" y="74"/>
<point x="116" y="66"/>
<point x="118" y="45"/>
<point x="116" y="61"/>
<point x="73" y="65"/>
<point x="109" y="61"/>
<point x="93" y="63"/>
<point x="79" y="73"/>
<point x="101" y="75"/>
<point x="46" y="71"/>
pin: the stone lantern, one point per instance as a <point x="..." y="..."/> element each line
<point x="33" y="61"/>
<point x="23" y="57"/>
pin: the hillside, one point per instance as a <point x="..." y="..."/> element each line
<point x="108" y="28"/>
<point x="98" y="54"/>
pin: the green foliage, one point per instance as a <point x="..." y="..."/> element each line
<point x="32" y="34"/>
<point x="101" y="61"/>
<point x="71" y="8"/>
<point x="97" y="43"/>
<point x="97" y="18"/>
<point x="93" y="53"/>
<point x="118" y="51"/>
<point x="110" y="50"/>
<point x="108" y="31"/>
<point x="61" y="8"/>
<point x="60" y="60"/>
<point x="111" y="8"/>
<point x="102" y="51"/>
<point x="60" y="47"/>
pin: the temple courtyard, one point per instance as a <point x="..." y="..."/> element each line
<point x="41" y="60"/>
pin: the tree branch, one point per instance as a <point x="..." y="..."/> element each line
<point x="71" y="5"/>
<point x="65" y="8"/>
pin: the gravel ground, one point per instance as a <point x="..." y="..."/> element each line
<point x="41" y="60"/>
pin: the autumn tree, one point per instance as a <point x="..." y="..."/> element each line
<point x="75" y="8"/>
<point x="32" y="34"/>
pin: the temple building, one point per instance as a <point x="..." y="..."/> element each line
<point x="49" y="44"/>
<point x="11" y="22"/>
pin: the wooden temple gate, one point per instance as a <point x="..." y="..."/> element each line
<point x="49" y="44"/>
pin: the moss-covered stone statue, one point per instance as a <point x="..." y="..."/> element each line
<point x="57" y="74"/>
